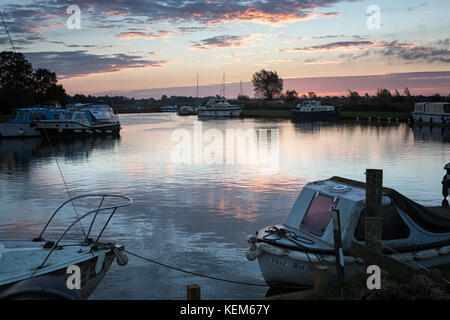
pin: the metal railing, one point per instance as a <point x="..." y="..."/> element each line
<point x="87" y="241"/>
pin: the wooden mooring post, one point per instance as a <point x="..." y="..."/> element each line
<point x="193" y="292"/>
<point x="374" y="214"/>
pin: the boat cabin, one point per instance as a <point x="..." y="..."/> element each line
<point x="27" y="115"/>
<point x="435" y="108"/>
<point x="405" y="222"/>
<point x="314" y="105"/>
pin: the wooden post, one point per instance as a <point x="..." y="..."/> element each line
<point x="338" y="251"/>
<point x="321" y="278"/>
<point x="374" y="214"/>
<point x="193" y="292"/>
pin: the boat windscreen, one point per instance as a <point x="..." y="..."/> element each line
<point x="318" y="215"/>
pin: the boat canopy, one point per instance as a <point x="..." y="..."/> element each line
<point x="403" y="219"/>
<point x="432" y="107"/>
<point x="27" y="115"/>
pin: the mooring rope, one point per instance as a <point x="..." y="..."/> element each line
<point x="207" y="276"/>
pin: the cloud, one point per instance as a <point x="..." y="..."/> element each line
<point x="70" y="64"/>
<point x="225" y="41"/>
<point x="42" y="15"/>
<point x="144" y="35"/>
<point x="419" y="54"/>
<point x="348" y="45"/>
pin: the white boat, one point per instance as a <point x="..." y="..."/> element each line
<point x="289" y="253"/>
<point x="102" y="113"/>
<point x="219" y="108"/>
<point x="169" y="108"/>
<point x="30" y="258"/>
<point x="19" y="124"/>
<point x="313" y="110"/>
<point x="186" y="111"/>
<point x="78" y="123"/>
<point x="433" y="113"/>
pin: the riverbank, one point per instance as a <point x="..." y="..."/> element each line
<point x="345" y="115"/>
<point x="355" y="288"/>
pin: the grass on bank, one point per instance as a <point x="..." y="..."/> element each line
<point x="352" y="287"/>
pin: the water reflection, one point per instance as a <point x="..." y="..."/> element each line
<point x="431" y="133"/>
<point x="196" y="216"/>
<point x="18" y="154"/>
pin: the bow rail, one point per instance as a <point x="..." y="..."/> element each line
<point x="87" y="241"/>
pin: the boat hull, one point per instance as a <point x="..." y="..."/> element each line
<point x="91" y="273"/>
<point x="62" y="129"/>
<point x="230" y="113"/>
<point x="17" y="130"/>
<point x="286" y="271"/>
<point x="315" y="115"/>
<point x="431" y="119"/>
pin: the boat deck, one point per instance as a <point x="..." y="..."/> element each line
<point x="19" y="259"/>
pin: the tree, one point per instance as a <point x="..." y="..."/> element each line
<point x="312" y="95"/>
<point x="384" y="97"/>
<point x="15" y="80"/>
<point x="267" y="84"/>
<point x="291" y="95"/>
<point x="354" y="96"/>
<point x="20" y="85"/>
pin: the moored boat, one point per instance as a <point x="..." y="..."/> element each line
<point x="78" y="123"/>
<point x="219" y="108"/>
<point x="169" y="108"/>
<point x="25" y="259"/>
<point x="289" y="253"/>
<point x="312" y="110"/>
<point x="186" y="111"/>
<point x="21" y="118"/>
<point x="432" y="113"/>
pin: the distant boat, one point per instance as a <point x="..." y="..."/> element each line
<point x="21" y="118"/>
<point x="78" y="123"/>
<point x="169" y="108"/>
<point x="313" y="110"/>
<point x="219" y="108"/>
<point x="433" y="113"/>
<point x="186" y="111"/>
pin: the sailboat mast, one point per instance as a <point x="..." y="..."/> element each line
<point x="197" y="90"/>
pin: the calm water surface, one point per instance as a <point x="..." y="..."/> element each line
<point x="197" y="216"/>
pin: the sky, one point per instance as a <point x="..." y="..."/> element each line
<point x="149" y="48"/>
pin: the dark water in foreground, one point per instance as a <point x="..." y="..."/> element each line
<point x="197" y="216"/>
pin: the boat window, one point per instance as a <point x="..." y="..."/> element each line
<point x="80" y="116"/>
<point x="56" y="116"/>
<point x="37" y="116"/>
<point x="14" y="115"/>
<point x="68" y="116"/>
<point x="318" y="215"/>
<point x="393" y="225"/>
<point x="21" y="115"/>
<point x="447" y="108"/>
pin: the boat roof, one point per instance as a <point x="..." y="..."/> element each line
<point x="38" y="109"/>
